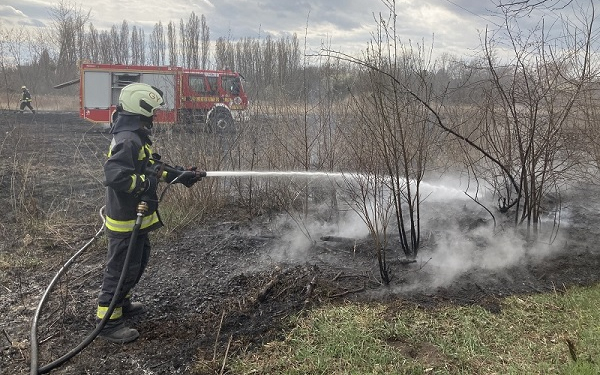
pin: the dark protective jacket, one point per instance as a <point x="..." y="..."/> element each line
<point x="26" y="96"/>
<point x="124" y="178"/>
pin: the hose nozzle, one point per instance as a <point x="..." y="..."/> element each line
<point x="142" y="208"/>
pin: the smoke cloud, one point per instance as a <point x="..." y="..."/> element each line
<point x="457" y="235"/>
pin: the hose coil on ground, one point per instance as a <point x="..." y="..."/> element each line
<point x="34" y="370"/>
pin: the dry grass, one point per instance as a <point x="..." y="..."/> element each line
<point x="54" y="102"/>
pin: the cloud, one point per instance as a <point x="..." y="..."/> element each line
<point x="11" y="17"/>
<point x="346" y="26"/>
<point x="207" y="2"/>
<point x="452" y="26"/>
<point x="348" y="23"/>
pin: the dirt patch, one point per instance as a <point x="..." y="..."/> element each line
<point x="233" y="284"/>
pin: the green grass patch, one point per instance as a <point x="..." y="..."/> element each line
<point x="556" y="333"/>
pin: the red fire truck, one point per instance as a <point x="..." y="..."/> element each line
<point x="212" y="97"/>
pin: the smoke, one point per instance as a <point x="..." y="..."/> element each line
<point x="461" y="237"/>
<point x="298" y="236"/>
<point x="457" y="236"/>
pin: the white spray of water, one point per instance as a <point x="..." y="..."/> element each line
<point x="438" y="191"/>
<point x="274" y="174"/>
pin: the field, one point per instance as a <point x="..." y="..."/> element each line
<point x="230" y="285"/>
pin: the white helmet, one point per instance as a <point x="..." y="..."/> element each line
<point x="141" y="99"/>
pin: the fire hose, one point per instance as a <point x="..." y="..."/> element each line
<point x="142" y="208"/>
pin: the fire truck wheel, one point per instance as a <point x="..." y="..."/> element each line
<point x="221" y="121"/>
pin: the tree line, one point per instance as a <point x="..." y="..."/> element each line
<point x="50" y="56"/>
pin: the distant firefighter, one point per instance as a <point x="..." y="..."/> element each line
<point x="26" y="100"/>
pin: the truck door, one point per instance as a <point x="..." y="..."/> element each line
<point x="95" y="102"/>
<point x="96" y="89"/>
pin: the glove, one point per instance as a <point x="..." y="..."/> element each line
<point x="189" y="177"/>
<point x="149" y="192"/>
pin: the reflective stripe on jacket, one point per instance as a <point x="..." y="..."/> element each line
<point x="124" y="178"/>
<point x="26" y="96"/>
<point x="125" y="226"/>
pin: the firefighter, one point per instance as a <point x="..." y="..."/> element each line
<point x="127" y="182"/>
<point x="26" y="100"/>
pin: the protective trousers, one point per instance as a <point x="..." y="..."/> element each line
<point x="26" y="104"/>
<point x="117" y="251"/>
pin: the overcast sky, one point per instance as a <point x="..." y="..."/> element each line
<point x="452" y="26"/>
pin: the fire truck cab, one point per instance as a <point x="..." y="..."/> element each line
<point x="193" y="96"/>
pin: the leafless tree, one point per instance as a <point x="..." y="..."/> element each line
<point x="7" y="65"/>
<point x="589" y="139"/>
<point x="92" y="44"/>
<point x="529" y="109"/>
<point x="224" y="54"/>
<point x="393" y="138"/>
<point x="183" y="42"/>
<point x="172" y="42"/>
<point x="288" y="58"/>
<point x="45" y="67"/>
<point x="269" y="61"/>
<point x="527" y="6"/>
<point x="69" y="22"/>
<point x="115" y="45"/>
<point x="157" y="45"/>
<point x="107" y="54"/>
<point x="123" y="44"/>
<point x="142" y="43"/>
<point x="259" y="66"/>
<point x="135" y="47"/>
<point x="204" y="42"/>
<point x="190" y="34"/>
<point x="25" y="60"/>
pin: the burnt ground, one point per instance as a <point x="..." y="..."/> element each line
<point x="230" y="278"/>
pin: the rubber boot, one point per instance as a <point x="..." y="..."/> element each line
<point x="131" y="309"/>
<point x="116" y="331"/>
